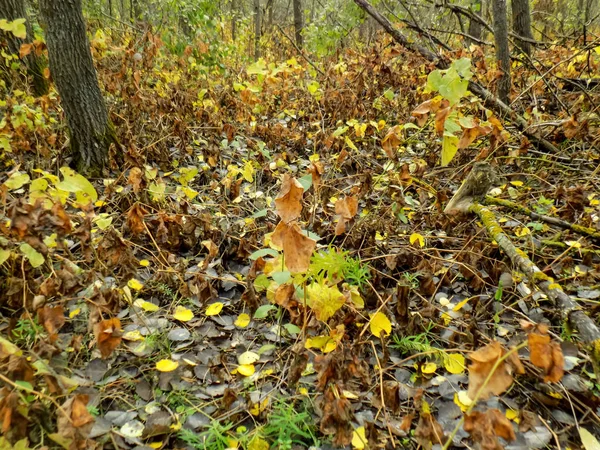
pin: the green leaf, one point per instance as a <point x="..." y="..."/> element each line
<point x="263" y="252"/>
<point x="389" y="94"/>
<point x="258" y="68"/>
<point x="306" y="181"/>
<point x="17" y="180"/>
<point x="261" y="213"/>
<point x="24" y="385"/>
<point x="453" y="87"/>
<point x="434" y="81"/>
<point x="449" y="148"/>
<point x="281" y="277"/>
<point x="292" y="329"/>
<point x="588" y="440"/>
<point x="4" y="254"/>
<point x="263" y="311"/>
<point x="36" y="259"/>
<point x="76" y="183"/>
<point x="463" y="67"/>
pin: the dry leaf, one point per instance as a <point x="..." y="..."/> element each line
<point x="53" y="318"/>
<point x="391" y="141"/>
<point x="546" y="354"/>
<point x="429" y="431"/>
<point x="289" y="201"/>
<point x="108" y="336"/>
<point x="346" y="208"/>
<point x="316" y="170"/>
<point x="297" y="248"/>
<point x="135" y="219"/>
<point x="135" y="179"/>
<point x="440" y="120"/>
<point x="483" y="361"/>
<point x="486" y="427"/>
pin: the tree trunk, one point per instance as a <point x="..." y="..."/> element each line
<point x="72" y="69"/>
<point x="234" y="16"/>
<point x="299" y="23"/>
<point x="475" y="27"/>
<point x="15" y="9"/>
<point x="521" y="15"/>
<point x="256" y="29"/>
<point x="502" y="50"/>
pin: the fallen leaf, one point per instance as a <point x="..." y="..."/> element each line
<point x="483" y="360"/>
<point x="455" y="363"/>
<point x="359" y="438"/>
<point x="108" y="335"/>
<point x="52" y="318"/>
<point x="380" y="323"/>
<point x="486" y="427"/>
<point x="324" y="300"/>
<point x="183" y="314"/>
<point x="546" y="354"/>
<point x="428" y="431"/>
<point x="214" y="309"/>
<point x="166" y="365"/>
<point x="346" y="209"/>
<point x="246" y="370"/>
<point x="242" y="320"/>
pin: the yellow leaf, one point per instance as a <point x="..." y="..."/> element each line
<point x="517" y="183"/>
<point x="144" y="262"/>
<point x="323" y="343"/>
<point x="359" y="438"/>
<point x="259" y="407"/>
<point x="242" y="321"/>
<point x="513" y="415"/>
<point x="214" y="309"/>
<point x="248" y="358"/>
<point x="134" y="335"/>
<point x="74" y="313"/>
<point x="416" y="237"/>
<point x="461" y="304"/>
<point x="522" y="231"/>
<point x="183" y="314"/>
<point x="324" y="300"/>
<point x="379" y="323"/>
<point x="135" y="284"/>
<point x="166" y="365"/>
<point x="455" y="363"/>
<point x="462" y="399"/>
<point x="157" y="444"/>
<point x="429" y="368"/>
<point x="258" y="443"/>
<point x="246" y="369"/>
<point x="146" y="306"/>
<point x="573" y="244"/>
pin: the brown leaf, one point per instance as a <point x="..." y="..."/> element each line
<point x="77" y="426"/>
<point x="486" y="427"/>
<point x="391" y="141"/>
<point x="135" y="219"/>
<point x="297" y="248"/>
<point x="25" y="50"/>
<point x="52" y="318"/>
<point x="336" y="417"/>
<point x="108" y="335"/>
<point x="346" y="208"/>
<point x="484" y="360"/>
<point x="135" y="179"/>
<point x="440" y="119"/>
<point x="468" y="136"/>
<point x="316" y="170"/>
<point x="289" y="201"/>
<point x="428" y="431"/>
<point x="545" y="354"/>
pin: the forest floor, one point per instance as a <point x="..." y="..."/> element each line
<point x="153" y="308"/>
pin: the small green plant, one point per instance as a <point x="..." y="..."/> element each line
<point x="27" y="332"/>
<point x="419" y="343"/>
<point x="336" y="264"/>
<point x="287" y="426"/>
<point x="216" y="437"/>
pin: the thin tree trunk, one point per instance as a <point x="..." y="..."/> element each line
<point x="502" y="49"/>
<point x="256" y="29"/>
<point x="12" y="10"/>
<point x="475" y="27"/>
<point x="234" y="16"/>
<point x="110" y="11"/>
<point x="72" y="69"/>
<point x="521" y="15"/>
<point x="299" y="23"/>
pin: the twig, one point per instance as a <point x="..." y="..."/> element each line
<point x="300" y="51"/>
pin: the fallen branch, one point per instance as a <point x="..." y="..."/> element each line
<point x="570" y="311"/>
<point x="488" y="98"/>
<point x="465" y="200"/>
<point x="590" y="232"/>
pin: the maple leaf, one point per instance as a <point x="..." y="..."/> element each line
<point x="483" y="361"/>
<point x="546" y="354"/>
<point x="289" y="201"/>
<point x="297" y="248"/>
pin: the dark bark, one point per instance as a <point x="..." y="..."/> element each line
<point x="502" y="49"/>
<point x="521" y="16"/>
<point x="72" y="69"/>
<point x="12" y="10"/>
<point x="234" y="18"/>
<point x="257" y="29"/>
<point x="475" y="27"/>
<point x="299" y="23"/>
